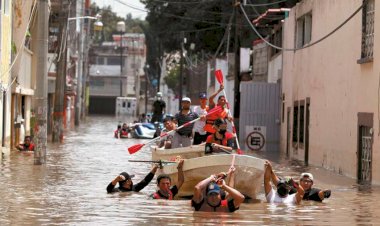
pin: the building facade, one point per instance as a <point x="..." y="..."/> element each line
<point x="330" y="91"/>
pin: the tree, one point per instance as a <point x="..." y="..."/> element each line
<point x="172" y="79"/>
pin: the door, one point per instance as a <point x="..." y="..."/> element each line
<point x="365" y="155"/>
<point x="287" y="131"/>
<point x="307" y="122"/>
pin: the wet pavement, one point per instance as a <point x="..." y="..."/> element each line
<point x="71" y="189"/>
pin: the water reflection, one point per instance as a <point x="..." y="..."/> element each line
<point x="71" y="190"/>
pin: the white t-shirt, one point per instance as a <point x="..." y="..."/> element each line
<point x="199" y="125"/>
<point x="273" y="197"/>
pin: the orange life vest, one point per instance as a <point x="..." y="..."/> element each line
<point x="210" y="119"/>
<point x="158" y="195"/>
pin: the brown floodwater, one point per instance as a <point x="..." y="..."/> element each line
<point x="71" y="189"/>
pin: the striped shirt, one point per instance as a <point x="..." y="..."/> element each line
<point x="182" y="119"/>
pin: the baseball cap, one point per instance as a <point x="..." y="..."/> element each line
<point x="213" y="188"/>
<point x="127" y="176"/>
<point x="186" y="99"/>
<point x="309" y="175"/>
<point x="202" y="96"/>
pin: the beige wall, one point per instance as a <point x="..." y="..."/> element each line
<point x="5" y="56"/>
<point x="338" y="87"/>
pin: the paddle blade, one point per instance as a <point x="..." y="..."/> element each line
<point x="239" y="152"/>
<point x="219" y="76"/>
<point x="135" y="148"/>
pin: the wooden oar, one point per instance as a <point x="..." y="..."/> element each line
<point x="135" y="148"/>
<point x="219" y="78"/>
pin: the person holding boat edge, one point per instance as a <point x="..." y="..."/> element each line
<point x="165" y="190"/>
<point x="126" y="183"/>
<point x="282" y="194"/>
<point x="212" y="200"/>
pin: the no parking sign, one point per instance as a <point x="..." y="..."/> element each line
<point x="256" y="137"/>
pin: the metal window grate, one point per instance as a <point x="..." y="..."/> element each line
<point x="368" y="29"/>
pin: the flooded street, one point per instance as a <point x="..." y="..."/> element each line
<point x="71" y="190"/>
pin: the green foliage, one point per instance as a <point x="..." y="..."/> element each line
<point x="110" y="19"/>
<point x="172" y="79"/>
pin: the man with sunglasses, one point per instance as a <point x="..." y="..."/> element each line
<point x="315" y="194"/>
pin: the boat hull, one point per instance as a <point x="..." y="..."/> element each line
<point x="171" y="154"/>
<point x="248" y="175"/>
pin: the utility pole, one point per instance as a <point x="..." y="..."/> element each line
<point x="181" y="71"/>
<point x="60" y="80"/>
<point x="238" y="23"/>
<point x="121" y="64"/>
<point x="80" y="39"/>
<point x="40" y="95"/>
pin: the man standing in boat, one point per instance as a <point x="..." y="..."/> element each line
<point x="282" y="194"/>
<point x="164" y="182"/>
<point x="221" y="140"/>
<point x="210" y="119"/>
<point x="126" y="183"/>
<point x="158" y="109"/>
<point x="183" y="136"/>
<point x="212" y="201"/>
<point x="200" y="135"/>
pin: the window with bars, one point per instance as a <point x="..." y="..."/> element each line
<point x="304" y="26"/>
<point x="368" y="24"/>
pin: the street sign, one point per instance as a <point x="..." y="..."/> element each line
<point x="256" y="137"/>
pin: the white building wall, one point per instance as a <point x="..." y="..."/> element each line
<point x="337" y="86"/>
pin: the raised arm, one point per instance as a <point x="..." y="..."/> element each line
<point x="235" y="194"/>
<point x="148" y="178"/>
<point x="267" y="177"/>
<point x="198" y="189"/>
<point x="211" y="102"/>
<point x="299" y="194"/>
<point x="181" y="177"/>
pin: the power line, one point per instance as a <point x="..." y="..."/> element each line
<point x="266" y="4"/>
<point x="304" y="47"/>
<point x="192" y="2"/>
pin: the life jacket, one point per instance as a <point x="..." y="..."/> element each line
<point x="158" y="195"/>
<point x="123" y="132"/>
<point x="224" y="141"/>
<point x="210" y="119"/>
<point x="30" y="147"/>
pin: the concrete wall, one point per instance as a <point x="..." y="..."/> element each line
<point x="338" y="87"/>
<point x="5" y="56"/>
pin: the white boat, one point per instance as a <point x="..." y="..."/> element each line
<point x="248" y="175"/>
<point x="171" y="154"/>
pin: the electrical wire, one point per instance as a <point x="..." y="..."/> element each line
<point x="304" y="47"/>
<point x="193" y="2"/>
<point x="265" y="4"/>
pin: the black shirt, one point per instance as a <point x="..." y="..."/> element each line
<point x="136" y="187"/>
<point x="230" y="204"/>
<point x="312" y="194"/>
<point x="158" y="106"/>
<point x="182" y="119"/>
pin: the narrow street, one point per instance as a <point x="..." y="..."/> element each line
<point x="71" y="190"/>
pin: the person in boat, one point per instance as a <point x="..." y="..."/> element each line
<point x="282" y="194"/>
<point x="210" y="119"/>
<point x="166" y="141"/>
<point x="208" y="196"/>
<point x="158" y="108"/>
<point x="28" y="145"/>
<point x="126" y="184"/>
<point x="143" y="118"/>
<point x="117" y="131"/>
<point x="315" y="194"/>
<point x="183" y="136"/>
<point x="164" y="183"/>
<point x="221" y="140"/>
<point x="124" y="131"/>
<point x="200" y="135"/>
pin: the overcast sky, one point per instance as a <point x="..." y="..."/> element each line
<point x="121" y="9"/>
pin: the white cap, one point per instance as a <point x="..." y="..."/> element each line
<point x="309" y="175"/>
<point x="186" y="99"/>
<point x="159" y="94"/>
